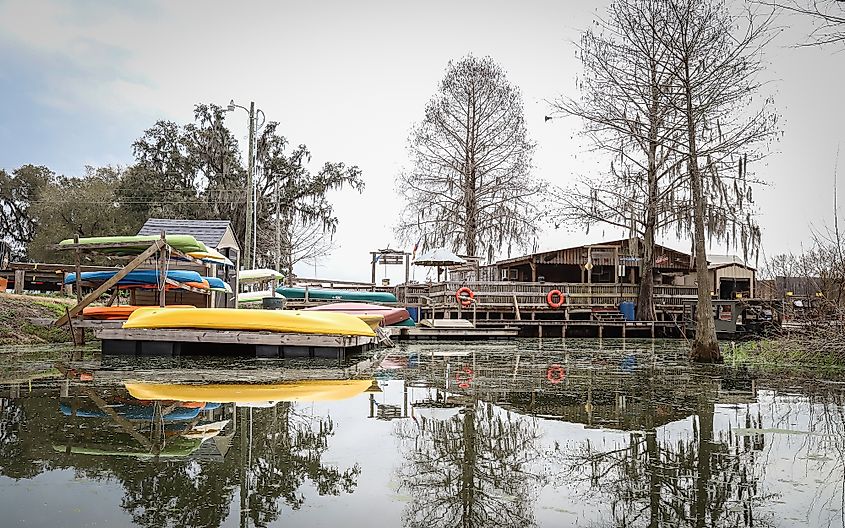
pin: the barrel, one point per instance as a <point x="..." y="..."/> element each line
<point x="627" y="309"/>
<point x="273" y="303"/>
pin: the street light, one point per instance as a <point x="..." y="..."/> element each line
<point x="250" y="237"/>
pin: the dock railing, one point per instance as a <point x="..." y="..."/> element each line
<point x="532" y="295"/>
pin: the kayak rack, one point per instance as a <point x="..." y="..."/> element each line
<point x="158" y="249"/>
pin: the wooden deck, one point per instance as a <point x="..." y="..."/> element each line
<point x="451" y="334"/>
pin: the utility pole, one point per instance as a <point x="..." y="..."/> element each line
<point x="278" y="230"/>
<point x="249" y="256"/>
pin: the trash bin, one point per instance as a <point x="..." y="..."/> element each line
<point x="414" y="312"/>
<point x="274" y="303"/>
<point x="628" y="309"/>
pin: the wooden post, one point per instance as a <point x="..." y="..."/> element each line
<point x="78" y="268"/>
<point x="162" y="274"/>
<point x="20" y="279"/>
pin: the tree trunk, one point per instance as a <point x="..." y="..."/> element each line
<point x="468" y="469"/>
<point x="704" y="470"/>
<point x="705" y="346"/>
<point x="645" y="300"/>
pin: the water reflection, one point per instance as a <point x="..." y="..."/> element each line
<point x="521" y="434"/>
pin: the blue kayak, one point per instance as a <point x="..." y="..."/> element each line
<point x="134" y="412"/>
<point x="215" y="283"/>
<point x="136" y="277"/>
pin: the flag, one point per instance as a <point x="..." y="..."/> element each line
<point x="375" y="259"/>
<point x="414" y="251"/>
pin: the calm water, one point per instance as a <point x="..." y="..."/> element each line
<point x="437" y="435"/>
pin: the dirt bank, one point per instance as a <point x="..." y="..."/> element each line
<point x="16" y="312"/>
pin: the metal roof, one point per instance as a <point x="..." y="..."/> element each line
<point x="209" y="232"/>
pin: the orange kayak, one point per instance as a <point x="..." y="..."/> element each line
<point x="117" y="313"/>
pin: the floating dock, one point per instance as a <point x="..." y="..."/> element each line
<point x="168" y="342"/>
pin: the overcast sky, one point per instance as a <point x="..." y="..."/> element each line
<point x="79" y="81"/>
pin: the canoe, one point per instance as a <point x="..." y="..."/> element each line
<point x="117" y="313"/>
<point x="337" y="295"/>
<point x="302" y="390"/>
<point x="407" y="322"/>
<point x="256" y="296"/>
<point x="258" y="275"/>
<point x="391" y="315"/>
<point x="286" y="321"/>
<point x="184" y="243"/>
<point x="136" y="277"/>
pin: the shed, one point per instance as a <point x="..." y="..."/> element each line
<point x="215" y="234"/>
<point x="731" y="277"/>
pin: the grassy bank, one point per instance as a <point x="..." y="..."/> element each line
<point x="784" y="353"/>
<point x="16" y="312"/>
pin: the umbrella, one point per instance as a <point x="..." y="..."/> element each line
<point x="439" y="257"/>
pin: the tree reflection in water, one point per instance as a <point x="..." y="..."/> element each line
<point x="274" y="452"/>
<point x="476" y="469"/>
<point x="696" y="478"/>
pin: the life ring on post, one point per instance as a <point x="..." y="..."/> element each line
<point x="550" y="299"/>
<point x="464" y="296"/>
<point x="555" y="374"/>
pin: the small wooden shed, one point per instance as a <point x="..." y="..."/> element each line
<point x="731" y="277"/>
<point x="215" y="234"/>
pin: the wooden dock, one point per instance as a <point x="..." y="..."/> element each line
<point x="422" y="333"/>
<point x="269" y="345"/>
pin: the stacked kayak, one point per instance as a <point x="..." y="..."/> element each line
<point x="117" y="313"/>
<point x="137" y="277"/>
<point x="218" y="284"/>
<point x="296" y="292"/>
<point x="184" y="243"/>
<point x="392" y="316"/>
<point x="259" y="275"/>
<point x="211" y="256"/>
<point x="256" y="296"/>
<point x="297" y="322"/>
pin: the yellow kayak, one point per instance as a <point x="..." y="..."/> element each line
<point x="372" y="320"/>
<point x="286" y="321"/>
<point x="304" y="390"/>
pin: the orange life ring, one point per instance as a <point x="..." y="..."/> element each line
<point x="555" y="373"/>
<point x="464" y="377"/>
<point x="464" y="296"/>
<point x="551" y="295"/>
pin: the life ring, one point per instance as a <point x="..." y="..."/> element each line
<point x="464" y="377"/>
<point x="464" y="296"/>
<point x="551" y="295"/>
<point x="555" y="373"/>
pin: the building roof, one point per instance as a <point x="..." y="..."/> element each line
<point x="209" y="232"/>
<point x="723" y="261"/>
<point x="665" y="257"/>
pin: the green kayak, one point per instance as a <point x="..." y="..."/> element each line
<point x="322" y="294"/>
<point x="184" y="243"/>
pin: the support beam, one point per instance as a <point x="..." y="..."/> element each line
<point x="94" y="295"/>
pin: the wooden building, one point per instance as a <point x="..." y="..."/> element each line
<point x="215" y="234"/>
<point x="614" y="262"/>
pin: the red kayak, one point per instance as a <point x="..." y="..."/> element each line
<point x="391" y="315"/>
